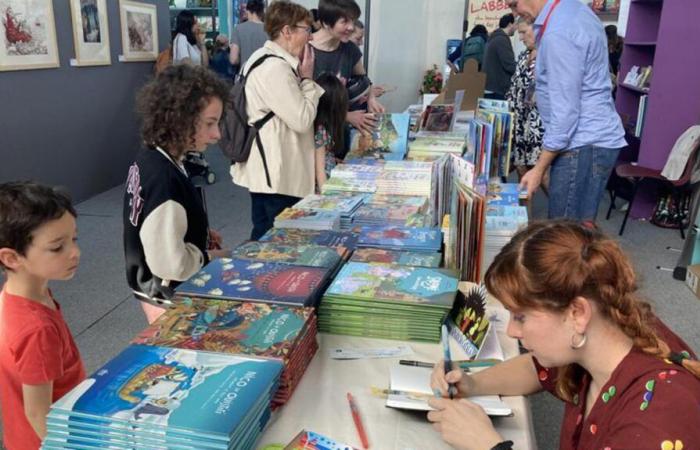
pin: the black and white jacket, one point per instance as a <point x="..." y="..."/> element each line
<point x="165" y="225"/>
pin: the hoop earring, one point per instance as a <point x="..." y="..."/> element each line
<point x="580" y="344"/>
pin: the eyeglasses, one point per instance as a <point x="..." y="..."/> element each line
<point x="308" y="30"/>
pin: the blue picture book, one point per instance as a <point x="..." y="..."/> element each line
<point x="401" y="238"/>
<point x="183" y="391"/>
<point x="261" y="281"/>
<point x="389" y="140"/>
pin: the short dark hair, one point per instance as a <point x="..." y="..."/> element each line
<point x="284" y="13"/>
<point x="506" y="20"/>
<point x="170" y="105"/>
<point x="331" y="11"/>
<point x="257" y="7"/>
<point x="183" y="25"/>
<point x="314" y="13"/>
<point x="479" y="30"/>
<point x="359" y="24"/>
<point x="26" y="206"/>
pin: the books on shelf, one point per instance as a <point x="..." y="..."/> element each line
<point x="256" y="281"/>
<point x="639" y="77"/>
<point x="155" y="397"/>
<point x="409" y="388"/>
<point x="497" y="114"/>
<point x="641" y="115"/>
<point x="388" y="301"/>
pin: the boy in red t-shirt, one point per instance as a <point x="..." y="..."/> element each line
<point x="39" y="361"/>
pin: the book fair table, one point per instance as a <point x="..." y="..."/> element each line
<point x="320" y="404"/>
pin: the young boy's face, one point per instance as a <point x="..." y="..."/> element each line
<point x="53" y="253"/>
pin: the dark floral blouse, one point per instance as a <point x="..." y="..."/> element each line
<point x="648" y="403"/>
<point x="527" y="139"/>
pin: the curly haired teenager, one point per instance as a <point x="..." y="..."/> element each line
<point x="627" y="381"/>
<point x="39" y="361"/>
<point x="166" y="233"/>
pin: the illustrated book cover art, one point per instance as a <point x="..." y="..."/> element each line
<point x="269" y="282"/>
<point x="341" y="240"/>
<point x="298" y="254"/>
<point x="428" y="238"/>
<point x="467" y="322"/>
<point x="309" y="440"/>
<point x="245" y="328"/>
<point x="377" y="255"/>
<point x="388" y="141"/>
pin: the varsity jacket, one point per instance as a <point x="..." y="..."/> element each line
<point x="165" y="226"/>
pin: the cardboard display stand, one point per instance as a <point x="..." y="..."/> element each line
<point x="471" y="81"/>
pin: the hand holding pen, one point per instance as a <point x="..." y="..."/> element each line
<point x="440" y="382"/>
<point x="447" y="363"/>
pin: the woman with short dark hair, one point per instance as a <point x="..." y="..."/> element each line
<point x="166" y="233"/>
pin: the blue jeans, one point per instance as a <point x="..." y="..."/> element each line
<point x="577" y="179"/>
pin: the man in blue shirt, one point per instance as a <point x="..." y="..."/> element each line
<point x="583" y="132"/>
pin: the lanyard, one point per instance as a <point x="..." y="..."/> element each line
<point x="546" y="21"/>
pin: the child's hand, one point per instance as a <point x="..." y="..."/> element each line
<point x="215" y="240"/>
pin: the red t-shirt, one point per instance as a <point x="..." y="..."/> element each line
<point x="36" y="347"/>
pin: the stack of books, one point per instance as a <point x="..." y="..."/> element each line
<point x="257" y="281"/>
<point x="342" y="203"/>
<point x="401" y="238"/>
<point x="502" y="222"/>
<point x="388" y="140"/>
<point x="466" y="227"/>
<point x="155" y="397"/>
<point x="283" y="333"/>
<point x="432" y="148"/>
<point x="308" y="219"/>
<point x="343" y="242"/>
<point x="378" y="215"/>
<point x="411" y="182"/>
<point x="388" y="301"/>
<point x="378" y="255"/>
<point x="298" y="254"/>
<point x="337" y="184"/>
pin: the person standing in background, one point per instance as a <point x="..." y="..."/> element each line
<point x="188" y="42"/>
<point x="583" y="131"/>
<point x="358" y="36"/>
<point x="499" y="59"/>
<point x="219" y="61"/>
<point x="248" y="36"/>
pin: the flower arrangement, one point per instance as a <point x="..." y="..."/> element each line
<point x="432" y="81"/>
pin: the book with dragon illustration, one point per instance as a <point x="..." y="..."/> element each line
<point x="186" y="392"/>
<point x="298" y="254"/>
<point x="377" y="255"/>
<point x="388" y="141"/>
<point x="268" y="282"/>
<point x="392" y="284"/>
<point x="244" y="328"/>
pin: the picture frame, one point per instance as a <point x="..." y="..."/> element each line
<point x="139" y="30"/>
<point x="27" y="35"/>
<point x="90" y="32"/>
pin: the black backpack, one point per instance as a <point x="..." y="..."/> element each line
<point x="236" y="134"/>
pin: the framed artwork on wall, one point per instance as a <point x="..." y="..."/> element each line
<point x="139" y="28"/>
<point x="90" y="32"/>
<point x="27" y="35"/>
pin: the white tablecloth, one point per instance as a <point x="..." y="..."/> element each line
<point x="319" y="403"/>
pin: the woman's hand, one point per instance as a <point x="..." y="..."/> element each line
<point x="306" y="65"/>
<point x="463" y="424"/>
<point x="365" y="122"/>
<point x="374" y="106"/>
<point x="439" y="381"/>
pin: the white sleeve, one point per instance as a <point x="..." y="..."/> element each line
<point x="163" y="238"/>
<point x="181" y="48"/>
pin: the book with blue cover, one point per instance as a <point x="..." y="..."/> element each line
<point x="401" y="238"/>
<point x="298" y="254"/>
<point x="258" y="281"/>
<point x="342" y="241"/>
<point x="378" y="255"/>
<point x="185" y="391"/>
<point x="388" y="141"/>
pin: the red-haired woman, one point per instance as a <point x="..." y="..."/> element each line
<point x="628" y="382"/>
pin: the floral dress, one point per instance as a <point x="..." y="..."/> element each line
<point x="648" y="403"/>
<point x="527" y="139"/>
<point x="323" y="139"/>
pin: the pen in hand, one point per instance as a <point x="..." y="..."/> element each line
<point x="452" y="389"/>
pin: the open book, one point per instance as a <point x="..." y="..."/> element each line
<point x="410" y="389"/>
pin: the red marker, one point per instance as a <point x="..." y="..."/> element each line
<point x="358" y="421"/>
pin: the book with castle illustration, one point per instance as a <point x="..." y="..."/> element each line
<point x="388" y="141"/>
<point x="258" y="281"/>
<point x="174" y="397"/>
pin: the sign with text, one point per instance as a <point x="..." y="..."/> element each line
<point x="486" y="12"/>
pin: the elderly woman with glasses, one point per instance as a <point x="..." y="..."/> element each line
<point x="282" y="84"/>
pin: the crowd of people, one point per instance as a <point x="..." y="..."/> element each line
<point x="626" y="379"/>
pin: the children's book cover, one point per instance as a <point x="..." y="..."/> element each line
<point x="304" y="215"/>
<point x="377" y="255"/>
<point x="255" y="280"/>
<point x="205" y="392"/>
<point x="339" y="203"/>
<point x="428" y="238"/>
<point x="308" y="440"/>
<point x="379" y="282"/>
<point x="438" y="118"/>
<point x="221" y="326"/>
<point x="388" y="141"/>
<point x="467" y="321"/>
<point x="326" y="238"/>
<point x="299" y="254"/>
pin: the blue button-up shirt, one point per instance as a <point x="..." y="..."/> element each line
<point x="574" y="90"/>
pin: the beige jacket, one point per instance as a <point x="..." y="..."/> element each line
<point x="288" y="138"/>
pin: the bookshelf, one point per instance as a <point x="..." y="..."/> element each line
<point x="661" y="33"/>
